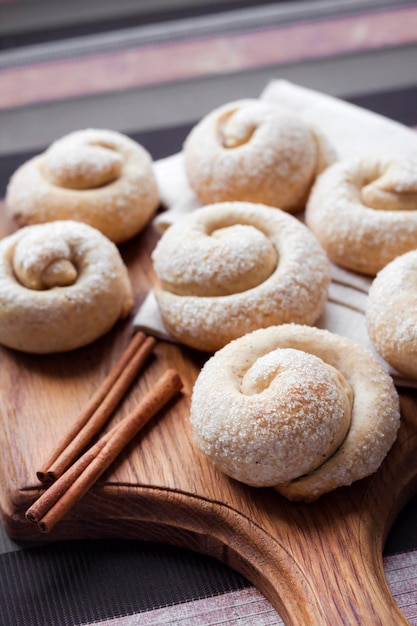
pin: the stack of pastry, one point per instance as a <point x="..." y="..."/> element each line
<point x="364" y="213"/>
<point x="281" y="403"/>
<point x="63" y="282"/>
<point x="241" y="262"/>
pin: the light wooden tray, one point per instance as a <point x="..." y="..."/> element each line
<point x="318" y="564"/>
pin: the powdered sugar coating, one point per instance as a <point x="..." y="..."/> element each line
<point x="96" y="176"/>
<point x="364" y="211"/>
<point x="268" y="419"/>
<point x="253" y="151"/>
<point x="294" y="288"/>
<point x="391" y="313"/>
<point x="62" y="285"/>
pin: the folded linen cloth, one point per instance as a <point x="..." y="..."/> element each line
<point x="352" y="131"/>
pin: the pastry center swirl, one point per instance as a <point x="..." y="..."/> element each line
<point x="226" y="261"/>
<point x="300" y="396"/>
<point x="395" y="189"/>
<point x="39" y="266"/>
<point x="235" y="128"/>
<point x="82" y="165"/>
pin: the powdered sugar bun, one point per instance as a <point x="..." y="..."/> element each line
<point x="296" y="408"/>
<point x="62" y="285"/>
<point x="229" y="268"/>
<point x="364" y="211"/>
<point x="254" y="151"/>
<point x="391" y="313"/>
<point x="100" y="177"/>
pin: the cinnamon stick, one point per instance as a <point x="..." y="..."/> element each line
<point x="62" y="495"/>
<point x="100" y="407"/>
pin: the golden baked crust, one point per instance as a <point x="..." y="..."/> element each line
<point x="62" y="285"/>
<point x="232" y="267"/>
<point x="253" y="151"/>
<point x="391" y="313"/>
<point x="364" y="211"/>
<point x="100" y="177"/>
<point x="296" y="408"/>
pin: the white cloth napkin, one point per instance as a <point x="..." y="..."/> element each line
<point x="352" y="131"/>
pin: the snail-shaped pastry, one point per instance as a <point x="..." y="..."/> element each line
<point x="62" y="285"/>
<point x="99" y="177"/>
<point x="391" y="313"/>
<point x="229" y="268"/>
<point x="364" y="211"/>
<point x="253" y="151"/>
<point x="296" y="408"/>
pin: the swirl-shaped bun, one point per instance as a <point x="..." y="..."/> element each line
<point x="99" y="177"/>
<point x="62" y="285"/>
<point x="364" y="211"/>
<point x="229" y="268"/>
<point x="253" y="151"/>
<point x="391" y="313"/>
<point x="296" y="408"/>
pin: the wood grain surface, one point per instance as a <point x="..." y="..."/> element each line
<point x="318" y="564"/>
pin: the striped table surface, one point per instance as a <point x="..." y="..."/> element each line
<point x="152" y="74"/>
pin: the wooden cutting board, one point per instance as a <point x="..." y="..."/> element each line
<point x="318" y="564"/>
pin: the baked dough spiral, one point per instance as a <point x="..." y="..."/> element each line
<point x="62" y="285"/>
<point x="100" y="177"/>
<point x="391" y="313"/>
<point x="364" y="211"/>
<point x="253" y="151"/>
<point x="232" y="267"/>
<point x="296" y="408"/>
